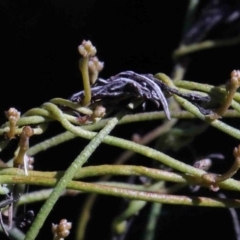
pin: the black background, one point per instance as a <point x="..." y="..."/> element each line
<point x="39" y="61"/>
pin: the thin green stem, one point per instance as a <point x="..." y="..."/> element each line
<point x="13" y="175"/>
<point x="216" y="123"/>
<point x="204" y="88"/>
<point x="190" y="15"/>
<point x="153" y="196"/>
<point x="140" y="117"/>
<point x="51" y="142"/>
<point x="131" y="194"/>
<point x="152" y="221"/>
<point x="83" y="66"/>
<point x="35" y="196"/>
<point x="36" y="111"/>
<point x="73" y="105"/>
<point x="195" y="47"/>
<point x="66" y="136"/>
<point x="119" y="223"/>
<point x="146" y="151"/>
<point x="194" y="110"/>
<point x="68" y="176"/>
<point x="84" y="217"/>
<point x="150" y="136"/>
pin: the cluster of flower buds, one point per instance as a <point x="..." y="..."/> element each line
<point x="88" y="51"/>
<point x="12" y="115"/>
<point x="62" y="230"/>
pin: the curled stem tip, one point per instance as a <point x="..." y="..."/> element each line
<point x="231" y="87"/>
<point x="215" y="179"/>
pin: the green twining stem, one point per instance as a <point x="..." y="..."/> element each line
<point x="68" y="176"/>
<point x="129" y="193"/>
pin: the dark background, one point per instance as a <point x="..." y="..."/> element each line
<point x="39" y="61"/>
